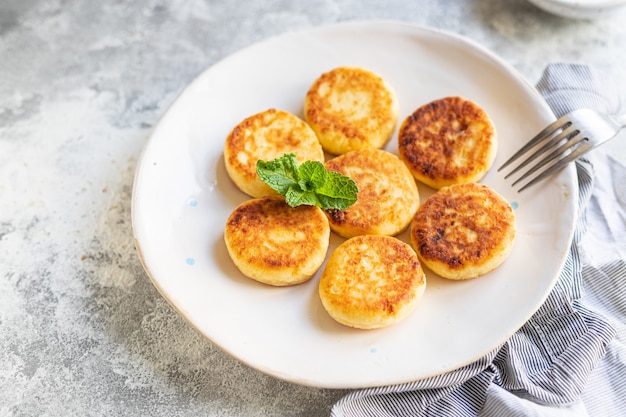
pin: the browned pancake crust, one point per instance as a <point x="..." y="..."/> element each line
<point x="273" y="243"/>
<point x="371" y="282"/>
<point x="387" y="199"/>
<point x="463" y="231"/>
<point x="351" y="108"/>
<point x="448" y="141"/>
<point x="267" y="135"/>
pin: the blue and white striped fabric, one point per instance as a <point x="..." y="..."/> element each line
<point x="566" y="360"/>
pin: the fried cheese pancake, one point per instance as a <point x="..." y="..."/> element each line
<point x="463" y="231"/>
<point x="276" y="244"/>
<point x="351" y="108"/>
<point x="267" y="135"/>
<point x="387" y="198"/>
<point x="371" y="282"/>
<point x="448" y="141"/>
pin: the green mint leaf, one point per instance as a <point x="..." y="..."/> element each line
<point x="297" y="197"/>
<point x="307" y="184"/>
<point x="280" y="174"/>
<point x="312" y="175"/>
<point x="339" y="192"/>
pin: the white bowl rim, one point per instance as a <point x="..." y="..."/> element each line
<point x="587" y="4"/>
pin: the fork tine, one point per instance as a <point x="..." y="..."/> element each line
<point x="560" y="151"/>
<point x="560" y="164"/>
<point x="568" y="133"/>
<point x="560" y="123"/>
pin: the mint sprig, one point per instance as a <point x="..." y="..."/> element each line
<point x="307" y="184"/>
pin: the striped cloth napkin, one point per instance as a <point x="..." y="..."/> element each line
<point x="569" y="359"/>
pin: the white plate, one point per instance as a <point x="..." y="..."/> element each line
<point x="182" y="197"/>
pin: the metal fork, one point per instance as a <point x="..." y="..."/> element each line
<point x="563" y="141"/>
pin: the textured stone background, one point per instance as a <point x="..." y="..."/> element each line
<point x="82" y="330"/>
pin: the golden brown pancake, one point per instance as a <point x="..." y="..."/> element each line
<point x="448" y="141"/>
<point x="351" y="108"/>
<point x="371" y="282"/>
<point x="463" y="231"/>
<point x="387" y="199"/>
<point x="273" y="243"/>
<point x="267" y="135"/>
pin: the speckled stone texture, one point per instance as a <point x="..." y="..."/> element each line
<point x="83" y="332"/>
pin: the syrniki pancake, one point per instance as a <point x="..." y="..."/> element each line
<point x="276" y="244"/>
<point x="463" y="231"/>
<point x="267" y="135"/>
<point x="387" y="198"/>
<point x="448" y="141"/>
<point x="351" y="108"/>
<point x="371" y="282"/>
